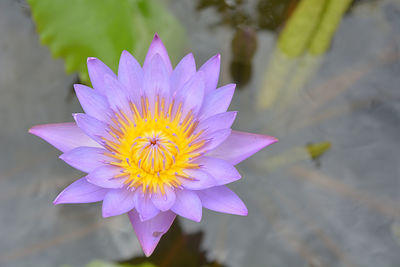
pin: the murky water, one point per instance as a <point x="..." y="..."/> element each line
<point x="326" y="195"/>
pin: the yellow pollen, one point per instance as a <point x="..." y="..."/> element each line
<point x="154" y="147"/>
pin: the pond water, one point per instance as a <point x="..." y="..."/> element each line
<point x="326" y="195"/>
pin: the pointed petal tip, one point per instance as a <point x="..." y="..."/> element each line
<point x="105" y="214"/>
<point x="243" y="212"/>
<point x="58" y="199"/>
<point x="90" y="59"/>
<point x="270" y="140"/>
<point x="150" y="232"/>
<point x="148" y="251"/>
<point x="197" y="219"/>
<point x="38" y="130"/>
<point x="234" y="114"/>
<point x="125" y="53"/>
<point x="32" y="130"/>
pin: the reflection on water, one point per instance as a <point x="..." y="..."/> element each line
<point x="247" y="18"/>
<point x="244" y="46"/>
<point x="307" y="25"/>
<point x="178" y="249"/>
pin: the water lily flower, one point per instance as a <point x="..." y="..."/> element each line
<point x="155" y="142"/>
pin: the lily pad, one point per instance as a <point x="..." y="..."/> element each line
<point x="77" y="29"/>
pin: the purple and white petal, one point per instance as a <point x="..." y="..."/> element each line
<point x="81" y="191"/>
<point x="149" y="232"/>
<point x="241" y="145"/>
<point x="85" y="158"/>
<point x="157" y="47"/>
<point x="217" y="101"/>
<point x="105" y="176"/>
<point x="215" y="139"/>
<point x="185" y="69"/>
<point x="144" y="206"/>
<point x="211" y="70"/>
<point x="130" y="74"/>
<point x="222" y="171"/>
<point x="93" y="103"/>
<point x="97" y="130"/>
<point x="97" y="70"/>
<point x="63" y="136"/>
<point x="217" y="122"/>
<point x="156" y="81"/>
<point x="222" y="199"/>
<point x="192" y="94"/>
<point x="188" y="205"/>
<point x="117" y="95"/>
<point x="164" y="201"/>
<point x="117" y="202"/>
<point x="198" y="180"/>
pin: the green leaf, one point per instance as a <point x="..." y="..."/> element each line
<point x="328" y="25"/>
<point x="312" y="26"/>
<point x="78" y="29"/>
<point x="300" y="27"/>
<point x="316" y="150"/>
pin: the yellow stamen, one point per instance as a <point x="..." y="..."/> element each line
<point x="156" y="147"/>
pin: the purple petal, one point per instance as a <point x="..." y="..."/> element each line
<point x="130" y="74"/>
<point x="150" y="232"/>
<point x="222" y="171"/>
<point x="92" y="102"/>
<point x="117" y="202"/>
<point x="192" y="94"/>
<point x="241" y="145"/>
<point x="117" y="95"/>
<point x="94" y="128"/>
<point x="211" y="73"/>
<point x="164" y="202"/>
<point x="63" y="136"/>
<point x="185" y="69"/>
<point x="217" y="101"/>
<point x="156" y="80"/>
<point x="97" y="71"/>
<point x="188" y="205"/>
<point x="222" y="199"/>
<point x="157" y="47"/>
<point x="198" y="180"/>
<point x="85" y="158"/>
<point x="144" y="205"/>
<point x="215" y="139"/>
<point x="81" y="191"/>
<point x="217" y="122"/>
<point x="104" y="177"/>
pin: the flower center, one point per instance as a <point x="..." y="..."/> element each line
<point x="154" y="147"/>
<point x="154" y="152"/>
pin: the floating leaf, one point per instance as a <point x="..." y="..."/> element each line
<point x="77" y="29"/>
<point x="316" y="150"/>
<point x="312" y="26"/>
<point x="300" y="27"/>
<point x="328" y="25"/>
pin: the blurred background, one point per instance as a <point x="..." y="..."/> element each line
<point x="320" y="75"/>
